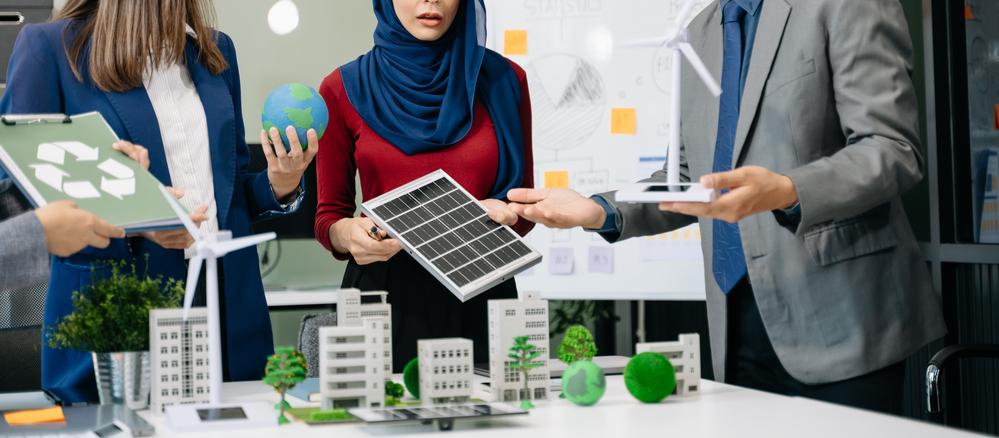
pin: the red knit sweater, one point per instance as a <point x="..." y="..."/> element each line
<point x="350" y="145"/>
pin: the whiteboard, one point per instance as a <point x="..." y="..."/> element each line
<point x="600" y="121"/>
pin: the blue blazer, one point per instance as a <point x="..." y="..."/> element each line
<point x="40" y="80"/>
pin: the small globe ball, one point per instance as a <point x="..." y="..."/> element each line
<point x="650" y="377"/>
<point x="411" y="377"/>
<point x="296" y="105"/>
<point x="583" y="383"/>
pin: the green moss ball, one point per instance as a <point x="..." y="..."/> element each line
<point x="583" y="383"/>
<point x="649" y="377"/>
<point x="411" y="377"/>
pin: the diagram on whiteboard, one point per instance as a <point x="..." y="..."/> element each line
<point x="600" y="121"/>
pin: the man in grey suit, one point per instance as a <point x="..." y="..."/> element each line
<point x="815" y="283"/>
<point x="29" y="236"/>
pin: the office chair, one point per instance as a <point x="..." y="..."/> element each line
<point x="308" y="338"/>
<point x="934" y="371"/>
<point x="21" y="338"/>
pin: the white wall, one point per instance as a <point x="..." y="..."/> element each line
<point x="330" y="33"/>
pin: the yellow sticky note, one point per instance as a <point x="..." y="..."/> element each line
<point x="557" y="179"/>
<point x="515" y="42"/>
<point x="35" y="416"/>
<point x="624" y="121"/>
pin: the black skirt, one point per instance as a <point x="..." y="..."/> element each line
<point x="422" y="308"/>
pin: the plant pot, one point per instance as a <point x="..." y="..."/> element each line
<point x="123" y="378"/>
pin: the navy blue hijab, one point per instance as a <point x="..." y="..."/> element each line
<point x="420" y="96"/>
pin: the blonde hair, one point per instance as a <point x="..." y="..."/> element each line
<point x="125" y="35"/>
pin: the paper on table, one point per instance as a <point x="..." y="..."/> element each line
<point x="561" y="261"/>
<point x="601" y="260"/>
<point x="35" y="416"/>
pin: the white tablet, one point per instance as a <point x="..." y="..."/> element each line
<point x="663" y="192"/>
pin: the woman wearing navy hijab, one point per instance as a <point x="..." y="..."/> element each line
<point x="428" y="96"/>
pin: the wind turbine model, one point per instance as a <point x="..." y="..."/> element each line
<point x="673" y="190"/>
<point x="215" y="415"/>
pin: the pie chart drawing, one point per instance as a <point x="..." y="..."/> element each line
<point x="568" y="100"/>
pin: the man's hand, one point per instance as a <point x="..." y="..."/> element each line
<point x="69" y="229"/>
<point x="557" y="208"/>
<point x="752" y="190"/>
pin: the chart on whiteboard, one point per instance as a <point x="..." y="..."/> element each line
<point x="600" y="120"/>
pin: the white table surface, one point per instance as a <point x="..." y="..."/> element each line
<point x="718" y="411"/>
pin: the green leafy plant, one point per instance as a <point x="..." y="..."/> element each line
<point x="566" y="314"/>
<point x="393" y="393"/>
<point x="577" y="345"/>
<point x="112" y="314"/>
<point x="285" y="369"/>
<point x="524" y="355"/>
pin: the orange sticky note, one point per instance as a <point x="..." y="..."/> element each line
<point x="557" y="179"/>
<point x="968" y="13"/>
<point x="515" y="42"/>
<point x="35" y="416"/>
<point x="624" y="121"/>
<point x="997" y="116"/>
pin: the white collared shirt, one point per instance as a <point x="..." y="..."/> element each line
<point x="184" y="131"/>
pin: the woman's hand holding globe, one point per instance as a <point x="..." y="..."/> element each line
<point x="299" y="111"/>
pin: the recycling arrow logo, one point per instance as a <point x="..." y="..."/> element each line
<point x="117" y="180"/>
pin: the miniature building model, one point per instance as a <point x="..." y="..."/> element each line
<point x="525" y="316"/>
<point x="351" y="370"/>
<point x="351" y="310"/>
<point x="445" y="369"/>
<point x="685" y="355"/>
<point x="179" y="355"/>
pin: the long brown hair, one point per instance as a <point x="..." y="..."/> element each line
<point x="125" y="35"/>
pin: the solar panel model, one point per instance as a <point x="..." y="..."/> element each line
<point x="449" y="233"/>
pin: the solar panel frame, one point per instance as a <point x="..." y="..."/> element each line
<point x="446" y="230"/>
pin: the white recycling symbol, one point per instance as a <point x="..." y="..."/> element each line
<point x="121" y="183"/>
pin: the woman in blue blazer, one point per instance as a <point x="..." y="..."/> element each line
<point x="92" y="58"/>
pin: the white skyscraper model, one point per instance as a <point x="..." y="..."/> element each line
<point x="179" y="352"/>
<point x="351" y="368"/>
<point x="525" y="316"/>
<point x="351" y="310"/>
<point x="445" y="369"/>
<point x="685" y="355"/>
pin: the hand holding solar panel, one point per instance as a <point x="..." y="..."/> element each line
<point x="451" y="235"/>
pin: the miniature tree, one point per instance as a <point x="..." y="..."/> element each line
<point x="393" y="393"/>
<point x="577" y="345"/>
<point x="524" y="354"/>
<point x="285" y="369"/>
<point x="411" y="377"/>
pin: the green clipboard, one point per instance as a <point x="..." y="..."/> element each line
<point x="54" y="157"/>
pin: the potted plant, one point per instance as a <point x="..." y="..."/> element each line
<point x="110" y="319"/>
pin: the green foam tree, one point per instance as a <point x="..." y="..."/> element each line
<point x="393" y="393"/>
<point x="524" y="355"/>
<point x="577" y="344"/>
<point x="285" y="369"/>
<point x="411" y="377"/>
<point x="650" y="377"/>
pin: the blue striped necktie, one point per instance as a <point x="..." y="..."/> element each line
<point x="728" y="261"/>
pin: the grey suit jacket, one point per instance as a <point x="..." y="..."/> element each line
<point x="24" y="257"/>
<point x="830" y="103"/>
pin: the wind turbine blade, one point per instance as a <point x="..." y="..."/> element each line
<point x="222" y="248"/>
<point x="185" y="218"/>
<point x="684" y="16"/>
<point x="193" y="272"/>
<point x="700" y="68"/>
<point x="645" y="42"/>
